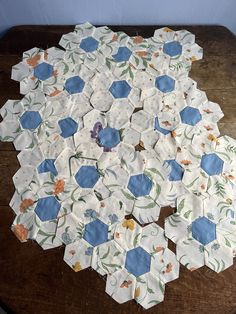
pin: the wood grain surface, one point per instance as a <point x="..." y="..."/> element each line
<point x="37" y="281"/>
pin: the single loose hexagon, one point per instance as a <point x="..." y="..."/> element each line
<point x="190" y="115"/>
<point x="176" y="173"/>
<point x="123" y="54"/>
<point x="89" y="44"/>
<point x="172" y="48"/>
<point x="74" y="85"/>
<point x="203" y="230"/>
<point x="140" y="185"/>
<point x="47" y="208"/>
<point x="47" y="166"/>
<point x="109" y="137"/>
<point x="165" y="83"/>
<point x="96" y="232"/>
<point x="68" y="127"/>
<point x="30" y="120"/>
<point x="43" y="71"/>
<point x="120" y="89"/>
<point x="138" y="261"/>
<point x="212" y="164"/>
<point x="87" y="176"/>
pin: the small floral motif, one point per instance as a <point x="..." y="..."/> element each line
<point x="26" y="203"/>
<point x="20" y="232"/>
<point x="129" y="224"/>
<point x="77" y="267"/>
<point x="90" y="213"/>
<point x="59" y="187"/>
<point x="89" y="251"/>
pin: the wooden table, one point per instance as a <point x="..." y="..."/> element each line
<point x="37" y="281"/>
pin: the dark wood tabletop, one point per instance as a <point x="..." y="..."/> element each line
<point x="37" y="281"/>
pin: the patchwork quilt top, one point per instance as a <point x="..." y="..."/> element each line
<point x="110" y="129"/>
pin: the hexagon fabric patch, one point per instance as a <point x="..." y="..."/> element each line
<point x="138" y="261"/>
<point x="74" y="85"/>
<point x="108" y="137"/>
<point x="203" y="230"/>
<point x="87" y="176"/>
<point x="212" y="164"/>
<point x="47" y="208"/>
<point x="89" y="44"/>
<point x="165" y="83"/>
<point x="68" y="127"/>
<point x="96" y="232"/>
<point x="120" y="89"/>
<point x="172" y="48"/>
<point x="190" y="116"/>
<point x="123" y="54"/>
<point x="140" y="185"/>
<point x="30" y="120"/>
<point x="43" y="71"/>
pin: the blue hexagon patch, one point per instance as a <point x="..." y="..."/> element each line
<point x="109" y="137"/>
<point x="30" y="120"/>
<point x="203" y="230"/>
<point x="190" y="115"/>
<point x="43" y="71"/>
<point x="172" y="48"/>
<point x="89" y="44"/>
<point x="74" y="85"/>
<point x="212" y="164"/>
<point x="138" y="261"/>
<point x="68" y="127"/>
<point x="87" y="176"/>
<point x="120" y="89"/>
<point x="47" y="208"/>
<point x="96" y="232"/>
<point x="123" y="54"/>
<point x="140" y="185"/>
<point x="165" y="83"/>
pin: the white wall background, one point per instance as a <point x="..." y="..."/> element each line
<point x="162" y="12"/>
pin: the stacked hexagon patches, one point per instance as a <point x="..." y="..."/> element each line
<point x="111" y="126"/>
